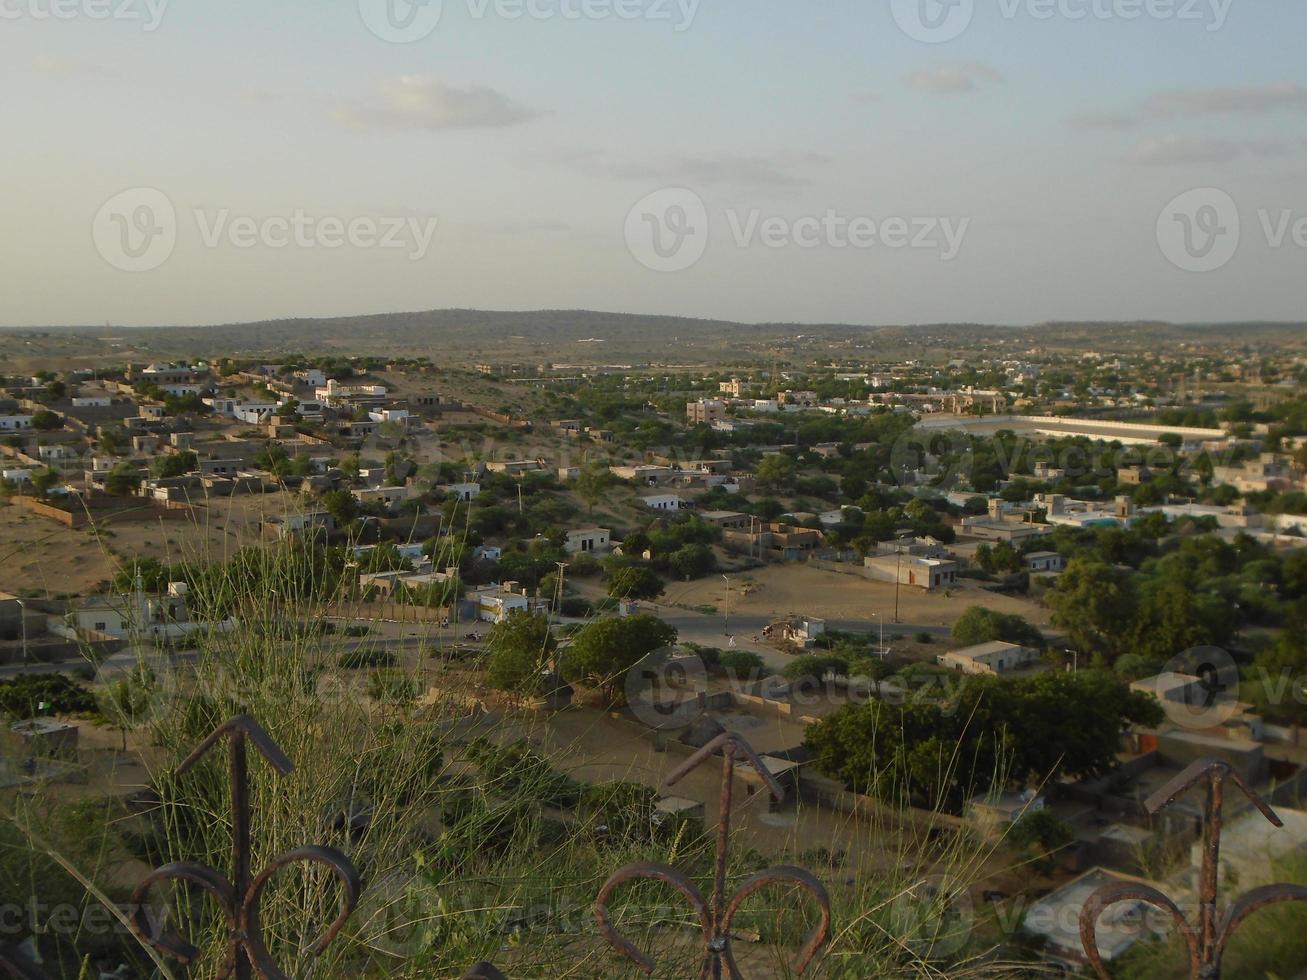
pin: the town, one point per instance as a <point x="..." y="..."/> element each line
<point x="972" y="608"/>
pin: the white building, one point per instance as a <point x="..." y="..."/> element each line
<point x="1044" y="561"/>
<point x="588" y="540"/>
<point x="912" y="570"/>
<point x="14" y="423"/>
<point x="664" y="501"/>
<point x="164" y="616"/>
<point x="465" y="492"/>
<point x="497" y="603"/>
<point x="994" y="658"/>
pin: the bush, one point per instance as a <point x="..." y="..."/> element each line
<point x="576" y="607"/>
<point x="392" y="687"/>
<point x="366" y="657"/>
<point x="22" y="697"/>
<point x="741" y="664"/>
<point x="981" y="625"/>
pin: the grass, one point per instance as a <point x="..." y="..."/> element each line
<point x="469" y="848"/>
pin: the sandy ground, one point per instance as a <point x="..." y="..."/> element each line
<point x="780" y="591"/>
<point x="38" y="555"/>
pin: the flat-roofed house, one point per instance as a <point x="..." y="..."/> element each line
<point x="588" y="541"/>
<point x="996" y="658"/>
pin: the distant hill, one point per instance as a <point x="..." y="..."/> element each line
<point x="471" y="336"/>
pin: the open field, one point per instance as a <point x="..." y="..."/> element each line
<point x="41" y="557"/>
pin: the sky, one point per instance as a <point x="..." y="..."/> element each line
<point x="860" y="161"/>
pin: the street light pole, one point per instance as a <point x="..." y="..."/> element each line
<point x="558" y="601"/>
<point x="728" y="605"/>
<point x="898" y="576"/>
<point x="22" y="620"/>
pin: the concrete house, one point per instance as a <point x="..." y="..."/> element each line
<point x="728" y="520"/>
<point x="465" y="492"/>
<point x="588" y="540"/>
<point x="1044" y="561"/>
<point x="912" y="570"/>
<point x="664" y="501"/>
<point x="996" y="658"/>
<point x="496" y="603"/>
<point x="705" y="411"/>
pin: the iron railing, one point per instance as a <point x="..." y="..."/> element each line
<point x="247" y="955"/>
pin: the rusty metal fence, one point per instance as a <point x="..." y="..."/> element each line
<point x="247" y="956"/>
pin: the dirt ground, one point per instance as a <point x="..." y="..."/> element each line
<point x="780" y="591"/>
<point x="41" y="557"/>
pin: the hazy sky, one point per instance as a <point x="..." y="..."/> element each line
<point x="829" y="163"/>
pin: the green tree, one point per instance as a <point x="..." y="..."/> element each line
<point x="741" y="664"/>
<point x="520" y="648"/>
<point x="1277" y="682"/>
<point x="46" y="421"/>
<point x="635" y="582"/>
<point x="1095" y="603"/>
<point x="941" y="750"/>
<point x="174" y="464"/>
<point x="981" y="625"/>
<point x="123" y="480"/>
<point x="1000" y="558"/>
<point x="775" y="471"/>
<point x="43" y="481"/>
<point x="342" y="505"/>
<point x="693" y="561"/>
<point x="22" y="697"/>
<point x="1042" y="833"/>
<point x="813" y="669"/>
<point x="592" y="483"/>
<point x="126" y="702"/>
<point x="603" y="652"/>
<point x="1171" y="618"/>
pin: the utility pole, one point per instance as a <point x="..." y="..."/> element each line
<point x="22" y="618"/>
<point x="898" y="559"/>
<point x="728" y="605"/>
<point x="558" y="601"/>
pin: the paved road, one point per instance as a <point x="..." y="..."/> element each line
<point x="125" y="660"/>
<point x="710" y="631"/>
<point x="691" y="626"/>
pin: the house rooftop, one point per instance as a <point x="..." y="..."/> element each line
<point x="986" y="649"/>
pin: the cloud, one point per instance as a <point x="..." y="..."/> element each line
<point x="953" y="79"/>
<point x="775" y="170"/>
<point x="1223" y="101"/>
<point x="865" y="97"/>
<point x="63" y="68"/>
<point x="1116" y="121"/>
<point x="423" y="102"/>
<point x="1181" y="151"/>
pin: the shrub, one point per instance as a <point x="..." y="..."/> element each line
<point x="741" y="664"/>
<point x="365" y="657"/>
<point x="576" y="607"/>
<point x="23" y="696"/>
